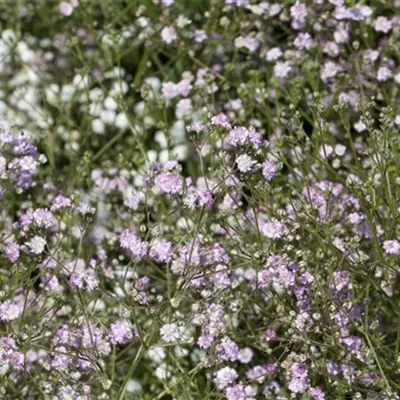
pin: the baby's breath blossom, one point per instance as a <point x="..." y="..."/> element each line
<point x="228" y="349"/>
<point x="383" y="24"/>
<point x="269" y="170"/>
<point x="161" y="250"/>
<point x="168" y="183"/>
<point x="329" y="70"/>
<point x="130" y="241"/>
<point x="384" y="73"/>
<point x="9" y="354"/>
<point x="120" y="332"/>
<point x="282" y="69"/>
<point x="66" y="9"/>
<point x="248" y="42"/>
<point x="224" y="377"/>
<point x="133" y="200"/>
<point x="273" y="54"/>
<point x="391" y="247"/>
<point x="10" y="310"/>
<point x="274" y="229"/>
<point x="12" y="251"/>
<point x="36" y="245"/>
<point x="211" y="202"/>
<point x="168" y="34"/>
<point x="245" y="163"/>
<point x="170" y="333"/>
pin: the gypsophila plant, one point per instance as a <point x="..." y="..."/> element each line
<point x="200" y="199"/>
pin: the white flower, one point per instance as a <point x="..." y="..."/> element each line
<point x="98" y="126"/>
<point x="360" y="126"/>
<point x="36" y="245"/>
<point x="245" y="163"/>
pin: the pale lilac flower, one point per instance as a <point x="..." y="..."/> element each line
<point x="238" y="136"/>
<point x="300" y="381"/>
<point x="317" y="393"/>
<point x="120" y="332"/>
<point x="224" y="377"/>
<point x="236" y="392"/>
<point x="61" y="202"/>
<point x="51" y="284"/>
<point x="168" y="34"/>
<point x="269" y="170"/>
<point x="245" y="355"/>
<point x="12" y="251"/>
<point x="84" y="209"/>
<point x="257" y="373"/>
<point x="67" y="393"/>
<point x="9" y="354"/>
<point x="383" y="24"/>
<point x="282" y="69"/>
<point x="384" y="73"/>
<point x="358" y="13"/>
<point x="298" y="11"/>
<point x="197" y="198"/>
<point x="184" y="108"/>
<point x="133" y="200"/>
<point x="228" y="350"/>
<point x="10" y="310"/>
<point x="130" y="241"/>
<point x="28" y="163"/>
<point x="273" y="54"/>
<point x="168" y="183"/>
<point x="161" y="250"/>
<point x="341" y="35"/>
<point x="297" y="385"/>
<point x="170" y="333"/>
<point x="329" y="70"/>
<point x="332" y="49"/>
<point x="43" y="218"/>
<point x="197" y="127"/>
<point x="169" y="90"/>
<point x="391" y="246"/>
<point x="200" y="36"/>
<point x="66" y="9"/>
<point x="274" y="229"/>
<point x="303" y="41"/>
<point x="220" y="120"/>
